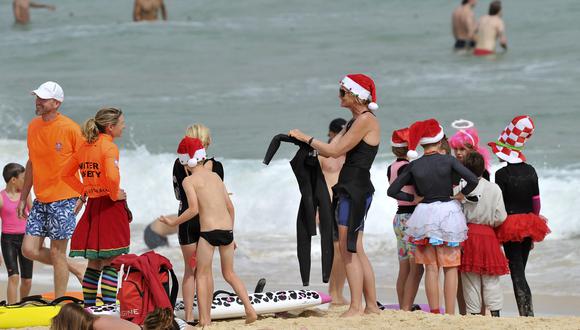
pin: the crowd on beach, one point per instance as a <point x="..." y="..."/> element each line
<point x="450" y="216"/>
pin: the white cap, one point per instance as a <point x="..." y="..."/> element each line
<point x="49" y="90"/>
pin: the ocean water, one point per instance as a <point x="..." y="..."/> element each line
<point x="253" y="69"/>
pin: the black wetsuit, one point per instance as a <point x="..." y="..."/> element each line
<point x="354" y="182"/>
<point x="189" y="230"/>
<point x="432" y="175"/>
<point x="519" y="183"/>
<point x="315" y="197"/>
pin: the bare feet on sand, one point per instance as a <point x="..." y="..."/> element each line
<point x="352" y="312"/>
<point x="251" y="317"/>
<point x="372" y="310"/>
<point x="339" y="301"/>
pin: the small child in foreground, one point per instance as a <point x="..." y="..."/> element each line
<point x="207" y="195"/>
<point x="483" y="261"/>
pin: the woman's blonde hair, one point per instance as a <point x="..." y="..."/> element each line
<point x="72" y="316"/>
<point x="200" y="132"/>
<point x="104" y="117"/>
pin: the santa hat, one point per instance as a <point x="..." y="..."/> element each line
<point x="423" y="132"/>
<point x="400" y="137"/>
<point x="362" y="86"/>
<point x="190" y="151"/>
<point x="512" y="140"/>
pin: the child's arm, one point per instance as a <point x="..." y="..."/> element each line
<point x="500" y="211"/>
<point x="395" y="190"/>
<point x="193" y="209"/>
<point x="229" y="205"/>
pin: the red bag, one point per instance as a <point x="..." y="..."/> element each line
<point x="145" y="285"/>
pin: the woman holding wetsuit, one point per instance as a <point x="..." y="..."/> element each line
<point x="188" y="232"/>
<point x="359" y="140"/>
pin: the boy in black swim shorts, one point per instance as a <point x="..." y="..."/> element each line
<point x="208" y="197"/>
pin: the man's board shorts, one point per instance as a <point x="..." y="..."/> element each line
<point x="463" y="44"/>
<point x="482" y="52"/>
<point x="152" y="239"/>
<point x="55" y="220"/>
<point x="405" y="248"/>
<point x="440" y="255"/>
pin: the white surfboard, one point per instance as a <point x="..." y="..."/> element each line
<point x="231" y="306"/>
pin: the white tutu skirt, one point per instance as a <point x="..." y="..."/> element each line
<point x="443" y="221"/>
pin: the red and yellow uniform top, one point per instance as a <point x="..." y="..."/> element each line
<point x="50" y="145"/>
<point x="98" y="164"/>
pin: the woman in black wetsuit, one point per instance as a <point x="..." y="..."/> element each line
<point x="359" y="140"/>
<point x="188" y="232"/>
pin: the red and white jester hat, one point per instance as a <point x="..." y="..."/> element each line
<point x="423" y="132"/>
<point x="190" y="151"/>
<point x="363" y="87"/>
<point x="400" y="137"/>
<point x="512" y="140"/>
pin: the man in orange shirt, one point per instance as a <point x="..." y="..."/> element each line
<point x="52" y="139"/>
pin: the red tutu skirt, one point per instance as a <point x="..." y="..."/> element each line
<point x="103" y="231"/>
<point x="482" y="253"/>
<point x="519" y="226"/>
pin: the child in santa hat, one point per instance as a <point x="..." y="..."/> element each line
<point x="437" y="225"/>
<point x="524" y="224"/>
<point x="208" y="197"/>
<point x="410" y="273"/>
<point x="353" y="193"/>
<point x="482" y="261"/>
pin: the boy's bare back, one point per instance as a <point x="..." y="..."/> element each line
<point x="213" y="202"/>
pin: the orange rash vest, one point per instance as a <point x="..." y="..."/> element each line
<point x="98" y="164"/>
<point x="50" y="145"/>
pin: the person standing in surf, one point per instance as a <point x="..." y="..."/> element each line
<point x="207" y="196"/>
<point x="359" y="141"/>
<point x="103" y="230"/>
<point x="524" y="224"/>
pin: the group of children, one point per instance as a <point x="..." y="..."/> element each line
<point x="451" y="216"/>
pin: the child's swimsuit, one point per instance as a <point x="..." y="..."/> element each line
<point x="218" y="237"/>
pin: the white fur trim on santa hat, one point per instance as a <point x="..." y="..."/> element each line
<point x="412" y="154"/>
<point x="373" y="106"/>
<point x="399" y="145"/>
<point x="357" y="89"/>
<point x="433" y="139"/>
<point x="183" y="158"/>
<point x="199" y="155"/>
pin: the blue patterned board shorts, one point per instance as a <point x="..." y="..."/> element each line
<point x="54" y="220"/>
<point x="405" y="248"/>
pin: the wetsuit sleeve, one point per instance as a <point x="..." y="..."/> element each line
<point x="177" y="178"/>
<point x="69" y="176"/>
<point x="395" y="190"/>
<point x="466" y="175"/>
<point x="112" y="176"/>
<point x="389" y="173"/>
<point x="536" y="205"/>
